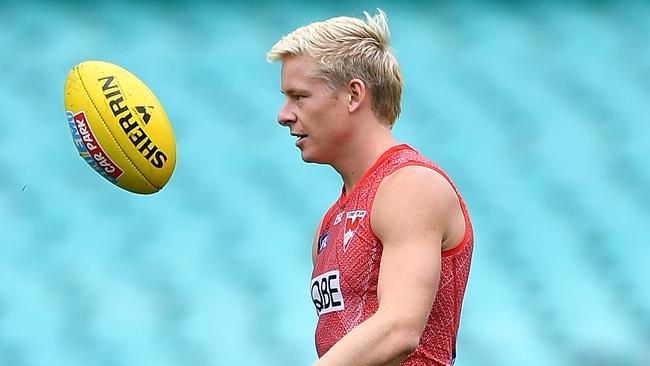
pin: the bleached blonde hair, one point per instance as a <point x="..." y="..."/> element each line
<point x="346" y="48"/>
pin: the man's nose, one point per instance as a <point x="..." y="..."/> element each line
<point x="286" y="116"/>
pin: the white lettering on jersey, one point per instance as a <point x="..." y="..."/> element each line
<point x="326" y="293"/>
<point x="338" y="218"/>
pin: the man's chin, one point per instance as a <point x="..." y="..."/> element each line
<point x="307" y="159"/>
<point x="311" y="158"/>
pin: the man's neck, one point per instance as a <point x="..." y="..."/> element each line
<point x="361" y="153"/>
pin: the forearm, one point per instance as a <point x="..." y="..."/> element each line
<point x="378" y="341"/>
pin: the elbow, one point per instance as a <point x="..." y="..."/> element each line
<point x="405" y="339"/>
<point x="400" y="334"/>
<point x="409" y="342"/>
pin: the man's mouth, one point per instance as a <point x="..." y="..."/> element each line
<point x="299" y="136"/>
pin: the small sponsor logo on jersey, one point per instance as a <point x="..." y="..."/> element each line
<point x="326" y="293"/>
<point x="352" y="221"/>
<point x="339" y="217"/>
<point x="322" y="240"/>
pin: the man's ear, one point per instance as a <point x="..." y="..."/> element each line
<point x="357" y="94"/>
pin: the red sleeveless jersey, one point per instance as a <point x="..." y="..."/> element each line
<point x="346" y="272"/>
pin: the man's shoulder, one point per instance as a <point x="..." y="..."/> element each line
<point x="419" y="180"/>
<point x="414" y="191"/>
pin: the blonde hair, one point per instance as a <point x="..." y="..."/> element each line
<point x="346" y="48"/>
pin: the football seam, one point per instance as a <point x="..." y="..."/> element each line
<point x="111" y="133"/>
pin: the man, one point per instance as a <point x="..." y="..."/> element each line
<point x="392" y="255"/>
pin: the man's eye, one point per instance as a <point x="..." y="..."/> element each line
<point x="298" y="97"/>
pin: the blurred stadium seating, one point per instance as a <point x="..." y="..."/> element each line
<point x="540" y="112"/>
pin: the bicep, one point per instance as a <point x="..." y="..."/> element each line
<point x="408" y="280"/>
<point x="409" y="273"/>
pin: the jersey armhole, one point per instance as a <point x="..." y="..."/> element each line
<point x="458" y="247"/>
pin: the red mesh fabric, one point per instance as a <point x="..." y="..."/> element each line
<point x="357" y="258"/>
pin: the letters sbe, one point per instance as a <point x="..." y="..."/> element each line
<point x="326" y="293"/>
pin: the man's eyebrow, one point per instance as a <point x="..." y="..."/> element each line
<point x="293" y="91"/>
